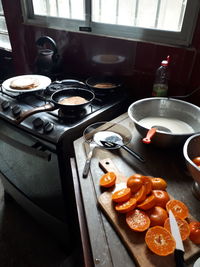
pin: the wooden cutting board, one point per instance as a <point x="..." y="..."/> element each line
<point x="135" y="241"/>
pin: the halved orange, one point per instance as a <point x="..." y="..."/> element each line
<point x="108" y="179"/>
<point x="137" y="220"/>
<point x="157" y="216"/>
<point x="158" y="183"/>
<point x="183" y="227"/>
<point x="162" y="197"/>
<point x="148" y="203"/>
<point x="147" y="182"/>
<point x="178" y="208"/>
<point x="160" y="241"/>
<point x="126" y="206"/>
<point x="140" y="195"/>
<point x="121" y="195"/>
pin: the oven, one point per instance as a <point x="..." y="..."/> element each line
<point x="35" y="156"/>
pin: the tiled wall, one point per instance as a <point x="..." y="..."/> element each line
<point x="137" y="64"/>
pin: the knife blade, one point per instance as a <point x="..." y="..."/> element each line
<point x="179" y="251"/>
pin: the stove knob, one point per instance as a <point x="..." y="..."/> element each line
<point x="38" y="123"/>
<point x="48" y="127"/>
<point x="16" y="110"/>
<point x="5" y="105"/>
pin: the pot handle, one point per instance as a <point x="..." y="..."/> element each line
<point x="28" y="113"/>
<point x="151" y="132"/>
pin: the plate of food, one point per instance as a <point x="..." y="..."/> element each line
<point x="26" y="83"/>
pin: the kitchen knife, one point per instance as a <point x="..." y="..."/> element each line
<point x="179" y="251"/>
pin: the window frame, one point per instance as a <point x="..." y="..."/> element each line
<point x="183" y="38"/>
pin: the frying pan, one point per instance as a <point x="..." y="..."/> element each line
<point x="54" y="102"/>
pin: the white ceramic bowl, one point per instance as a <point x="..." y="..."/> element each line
<point x="191" y="149"/>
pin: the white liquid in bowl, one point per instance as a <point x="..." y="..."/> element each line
<point x="175" y="126"/>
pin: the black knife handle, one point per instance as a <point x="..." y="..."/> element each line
<point x="133" y="153"/>
<point x="179" y="259"/>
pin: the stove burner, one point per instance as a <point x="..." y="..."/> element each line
<point x="53" y="87"/>
<point x="71" y="115"/>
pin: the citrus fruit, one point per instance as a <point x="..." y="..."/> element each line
<point x="162" y="197"/>
<point x="158" y="183"/>
<point x="134" y="183"/>
<point x="108" y="179"/>
<point x="183" y="227"/>
<point x="126" y="206"/>
<point x="196" y="160"/>
<point x="121" y="195"/>
<point x="140" y="195"/>
<point x="137" y="220"/>
<point x="160" y="241"/>
<point x="157" y="216"/>
<point x="148" y="203"/>
<point x="147" y="182"/>
<point x="178" y="208"/>
<point x="195" y="232"/>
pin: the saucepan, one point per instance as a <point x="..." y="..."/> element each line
<point x="172" y="120"/>
<point x="85" y="97"/>
<point x="109" y="136"/>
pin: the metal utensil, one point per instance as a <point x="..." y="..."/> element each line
<point x="151" y="132"/>
<point x="113" y="145"/>
<point x="113" y="140"/>
<point x="179" y="251"/>
<point x="92" y="146"/>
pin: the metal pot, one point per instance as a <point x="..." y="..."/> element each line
<point x="182" y="119"/>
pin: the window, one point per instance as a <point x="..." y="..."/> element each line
<point x="4" y="38"/>
<point x="165" y="21"/>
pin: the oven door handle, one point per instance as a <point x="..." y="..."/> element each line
<point x="25" y="148"/>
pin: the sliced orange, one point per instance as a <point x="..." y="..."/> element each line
<point x="134" y="183"/>
<point x="137" y="220"/>
<point x="162" y="197"/>
<point x="147" y="182"/>
<point x="160" y="241"/>
<point x="140" y="195"/>
<point x="148" y="203"/>
<point x="121" y="195"/>
<point x="183" y="227"/>
<point x="108" y="179"/>
<point x="158" y="183"/>
<point x="157" y="216"/>
<point x="178" y="208"/>
<point x="126" y="206"/>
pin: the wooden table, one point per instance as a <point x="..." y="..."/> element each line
<point x="101" y="244"/>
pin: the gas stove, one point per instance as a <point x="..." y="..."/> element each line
<point x="52" y="125"/>
<point x="35" y="154"/>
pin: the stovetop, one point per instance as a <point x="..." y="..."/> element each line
<point x="52" y="125"/>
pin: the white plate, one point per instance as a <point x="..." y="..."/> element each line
<point x="44" y="81"/>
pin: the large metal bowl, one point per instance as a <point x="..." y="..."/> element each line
<point x="164" y="108"/>
<point x="191" y="149"/>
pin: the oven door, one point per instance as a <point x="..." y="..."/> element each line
<point x="31" y="166"/>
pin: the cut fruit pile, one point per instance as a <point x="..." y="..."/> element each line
<point x="145" y="204"/>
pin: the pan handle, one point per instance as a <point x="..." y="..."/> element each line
<point x="28" y="113"/>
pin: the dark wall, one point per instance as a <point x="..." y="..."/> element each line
<point x="137" y="64"/>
